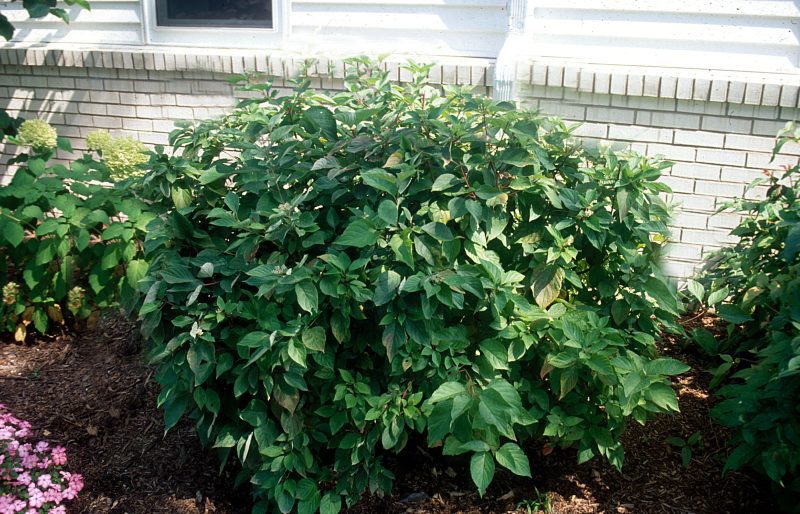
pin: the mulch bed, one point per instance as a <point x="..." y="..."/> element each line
<point x="94" y="393"/>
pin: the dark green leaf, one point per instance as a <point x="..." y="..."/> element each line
<point x="733" y="314"/>
<point x="386" y="287"/>
<point x="307" y="296"/>
<point x="511" y="457"/>
<point x="359" y="234"/>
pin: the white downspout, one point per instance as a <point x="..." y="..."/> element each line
<point x="504" y="87"/>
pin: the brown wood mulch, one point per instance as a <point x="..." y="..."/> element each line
<point x="94" y="393"/>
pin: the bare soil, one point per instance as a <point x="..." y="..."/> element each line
<point x="94" y="393"/>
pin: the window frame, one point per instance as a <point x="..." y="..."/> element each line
<point x="213" y="36"/>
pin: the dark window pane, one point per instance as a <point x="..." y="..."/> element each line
<point x="214" y="13"/>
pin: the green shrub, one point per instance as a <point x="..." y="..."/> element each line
<point x="69" y="242"/>
<point x="339" y="272"/>
<point x="755" y="288"/>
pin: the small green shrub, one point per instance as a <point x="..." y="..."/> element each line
<point x="339" y="272"/>
<point x="69" y="241"/>
<point x="755" y="288"/>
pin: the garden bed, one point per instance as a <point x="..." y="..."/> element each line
<point x="93" y="393"/>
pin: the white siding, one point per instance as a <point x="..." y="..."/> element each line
<point x="109" y="22"/>
<point x="468" y="28"/>
<point x="746" y="35"/>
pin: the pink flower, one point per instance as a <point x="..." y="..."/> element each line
<point x="35" y="496"/>
<point x="45" y="481"/>
<point x="31" y="480"/>
<point x="54" y="495"/>
<point x="30" y="461"/>
<point x="59" y="455"/>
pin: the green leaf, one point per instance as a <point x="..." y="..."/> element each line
<point x="136" y="270"/>
<point x="322" y="119"/>
<point x="622" y="203"/>
<point x="718" y="295"/>
<point x="664" y="295"/>
<point x="393" y="337"/>
<point x="381" y="180"/>
<point x="37" y="8"/>
<point x="696" y="288"/>
<point x="447" y="391"/>
<point x="174" y="408"/>
<point x="6" y="28"/>
<point x="40" y="320"/>
<point x="601" y="364"/>
<point x="481" y="468"/>
<point x="64" y="144"/>
<point x="445" y="181"/>
<point x="181" y="197"/>
<point x="686" y="456"/>
<point x="307" y="296"/>
<point x="561" y="360"/>
<point x="206" y="270"/>
<point x="331" y="503"/>
<point x="13" y="233"/>
<point x="386" y="287"/>
<point x="297" y="353"/>
<point x="547" y="282"/>
<point x="791" y="245"/>
<point x="511" y="457"/>
<point x="438" y="231"/>
<point x="306" y="490"/>
<point x="706" y="340"/>
<point x="733" y="314"/>
<point x="359" y="234"/>
<point x="314" y="339"/>
<point x="60" y="13"/>
<point x="387" y="211"/>
<point x="619" y="311"/>
<point x="666" y="366"/>
<point x="496" y="353"/>
<point x="662" y="395"/>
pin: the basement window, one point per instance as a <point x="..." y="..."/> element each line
<point x="214" y="13"/>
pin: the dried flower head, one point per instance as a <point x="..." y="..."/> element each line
<point x="10" y="293"/>
<point x="75" y="298"/>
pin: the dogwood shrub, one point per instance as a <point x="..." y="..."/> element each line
<point x="754" y="287"/>
<point x="339" y="271"/>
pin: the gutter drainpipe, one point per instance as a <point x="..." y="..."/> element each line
<point x="504" y="86"/>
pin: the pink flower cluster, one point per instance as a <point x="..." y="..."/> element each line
<point x="32" y="480"/>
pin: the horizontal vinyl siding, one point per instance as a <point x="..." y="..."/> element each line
<point x="108" y="22"/>
<point x="469" y="28"/>
<point x="744" y="35"/>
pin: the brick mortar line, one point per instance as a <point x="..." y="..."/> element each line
<point x="785" y="88"/>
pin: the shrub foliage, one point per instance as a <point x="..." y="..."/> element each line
<point x="70" y="243"/>
<point x="339" y="272"/>
<point x="755" y="288"/>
